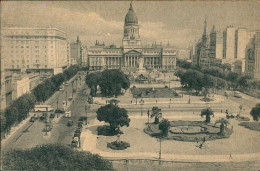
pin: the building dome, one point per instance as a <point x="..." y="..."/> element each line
<point x="131" y="17"/>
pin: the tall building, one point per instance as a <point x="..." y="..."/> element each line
<point x="229" y="45"/>
<point x="2" y="80"/>
<point x="36" y="50"/>
<point x="76" y="52"/>
<point x="216" y="44"/>
<point x="132" y="51"/>
<point x="257" y="56"/>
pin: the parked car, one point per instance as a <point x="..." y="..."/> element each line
<point x="70" y="99"/>
<point x="74" y="143"/>
<point x="78" y="130"/>
<point x="70" y="123"/>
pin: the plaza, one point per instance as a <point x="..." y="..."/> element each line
<point x="146" y="147"/>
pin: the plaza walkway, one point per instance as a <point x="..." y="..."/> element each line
<point x="89" y="142"/>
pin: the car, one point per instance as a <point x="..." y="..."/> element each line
<point x="70" y="99"/>
<point x="68" y="114"/>
<point x="237" y="95"/>
<point x="66" y="83"/>
<point x="78" y="130"/>
<point x="70" y="123"/>
<point x="74" y="143"/>
<point x="33" y="119"/>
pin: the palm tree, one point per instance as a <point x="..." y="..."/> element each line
<point x="223" y="125"/>
<point x="208" y="112"/>
<point x="156" y="113"/>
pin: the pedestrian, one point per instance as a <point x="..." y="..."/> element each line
<point x="230" y="156"/>
<point x="156" y="101"/>
<point x="131" y="101"/>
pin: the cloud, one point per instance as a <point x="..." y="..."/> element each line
<point x="91" y="26"/>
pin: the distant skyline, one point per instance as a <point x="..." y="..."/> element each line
<point x="180" y="23"/>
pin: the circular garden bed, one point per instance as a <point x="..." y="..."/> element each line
<point x="191" y="131"/>
<point x="121" y="145"/>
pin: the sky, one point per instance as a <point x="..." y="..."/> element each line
<point x="178" y="22"/>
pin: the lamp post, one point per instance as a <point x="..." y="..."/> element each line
<point x="169" y="82"/>
<point x="148" y="115"/>
<point x="141" y="103"/>
<point x="72" y="89"/>
<point x="57" y="103"/>
<point x="66" y="98"/>
<point x="160" y="149"/>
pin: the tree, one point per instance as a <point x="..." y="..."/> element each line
<point x="207" y="112"/>
<point x="179" y="73"/>
<point x="53" y="157"/>
<point x="92" y="80"/>
<point x="114" y="115"/>
<point x="192" y="79"/>
<point x="112" y="81"/>
<point x="214" y="71"/>
<point x="255" y="112"/>
<point x="164" y="126"/>
<point x="208" y="82"/>
<point x="243" y="82"/>
<point x="156" y="113"/>
<point x="233" y="78"/>
<point x="221" y="84"/>
<point x="223" y="125"/>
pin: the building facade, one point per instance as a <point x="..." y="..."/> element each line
<point x="132" y="51"/>
<point x="257" y="56"/>
<point x="37" y="50"/>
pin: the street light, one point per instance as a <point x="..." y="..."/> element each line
<point x="169" y="82"/>
<point x="141" y="103"/>
<point x="148" y="115"/>
<point x="160" y="150"/>
<point x="66" y="98"/>
<point x="72" y="89"/>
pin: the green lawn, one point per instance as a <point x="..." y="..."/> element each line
<point x="190" y="131"/>
<point x="154" y="92"/>
<point x="251" y="125"/>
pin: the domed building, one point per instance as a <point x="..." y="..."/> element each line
<point x="132" y="55"/>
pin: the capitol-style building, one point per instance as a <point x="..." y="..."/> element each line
<point x="132" y="53"/>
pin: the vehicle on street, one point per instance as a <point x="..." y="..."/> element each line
<point x="68" y="114"/>
<point x="70" y="123"/>
<point x="237" y="94"/>
<point x="33" y="119"/>
<point x="43" y="108"/>
<point x="59" y="111"/>
<point x="66" y="83"/>
<point x="74" y="143"/>
<point x="70" y="99"/>
<point x="61" y="88"/>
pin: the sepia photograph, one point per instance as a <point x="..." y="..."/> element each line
<point x="130" y="85"/>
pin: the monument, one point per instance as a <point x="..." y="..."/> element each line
<point x="141" y="69"/>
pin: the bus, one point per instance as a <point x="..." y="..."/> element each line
<point x="43" y="108"/>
